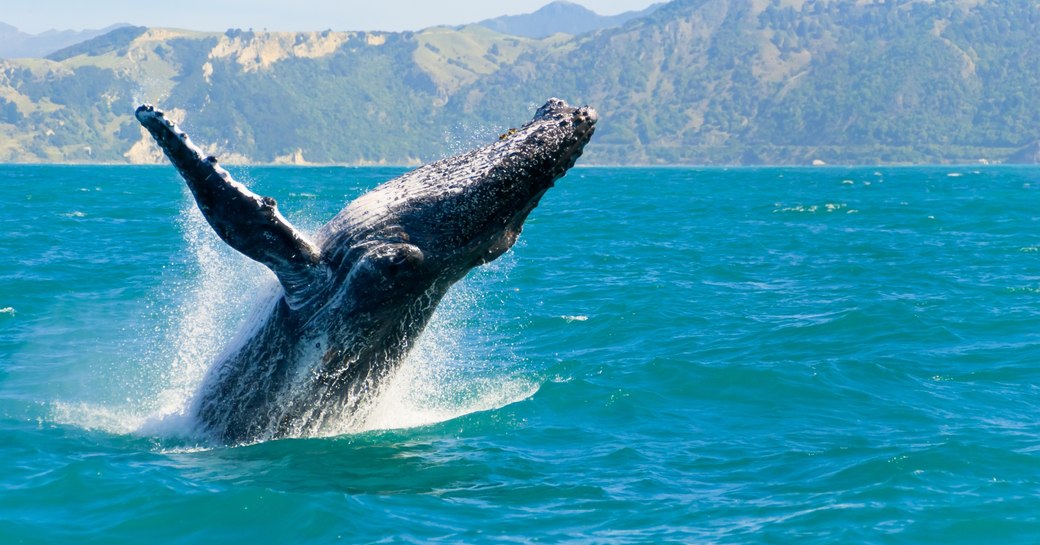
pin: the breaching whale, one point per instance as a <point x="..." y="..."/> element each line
<point x="355" y="296"/>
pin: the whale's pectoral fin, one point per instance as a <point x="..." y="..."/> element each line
<point x="246" y="221"/>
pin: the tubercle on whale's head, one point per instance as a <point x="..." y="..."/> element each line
<point x="556" y="137"/>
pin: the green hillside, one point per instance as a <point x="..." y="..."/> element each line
<point x="760" y="81"/>
<point x="695" y="82"/>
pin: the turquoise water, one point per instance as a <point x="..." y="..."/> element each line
<point x="669" y="355"/>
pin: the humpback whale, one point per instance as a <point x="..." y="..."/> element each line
<point x="355" y="295"/>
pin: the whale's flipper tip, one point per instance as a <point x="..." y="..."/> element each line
<point x="146" y="111"/>
<point x="149" y="115"/>
<point x="246" y="221"/>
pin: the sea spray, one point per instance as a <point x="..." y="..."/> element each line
<point x="457" y="367"/>
<point x="202" y="320"/>
<point x="210" y="297"/>
<point x="190" y="318"/>
<point x="454" y="369"/>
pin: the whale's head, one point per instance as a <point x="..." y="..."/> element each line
<point x="434" y="224"/>
<point x="469" y="210"/>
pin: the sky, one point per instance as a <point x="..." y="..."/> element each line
<point x="35" y="16"/>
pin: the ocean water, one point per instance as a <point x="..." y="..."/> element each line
<point x="752" y="355"/>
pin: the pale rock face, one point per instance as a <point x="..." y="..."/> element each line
<point x="260" y="50"/>
<point x="143" y="152"/>
<point x="294" y="158"/>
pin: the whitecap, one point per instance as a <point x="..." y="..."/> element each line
<point x="88" y="416"/>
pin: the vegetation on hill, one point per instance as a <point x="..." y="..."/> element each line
<point x="696" y="81"/>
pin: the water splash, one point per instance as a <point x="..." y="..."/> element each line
<point x="193" y="322"/>
<point x="449" y="372"/>
<point x="447" y="375"/>
<point x="198" y="326"/>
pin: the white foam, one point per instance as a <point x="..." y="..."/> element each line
<point x="88" y="416"/>
<point x="419" y="394"/>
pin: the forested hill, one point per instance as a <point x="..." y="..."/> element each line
<point x="695" y="82"/>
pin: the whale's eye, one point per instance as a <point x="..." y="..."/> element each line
<point x="392" y="260"/>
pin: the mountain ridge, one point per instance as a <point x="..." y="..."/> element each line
<point x="563" y="17"/>
<point x="17" y="44"/>
<point x="694" y="82"/>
